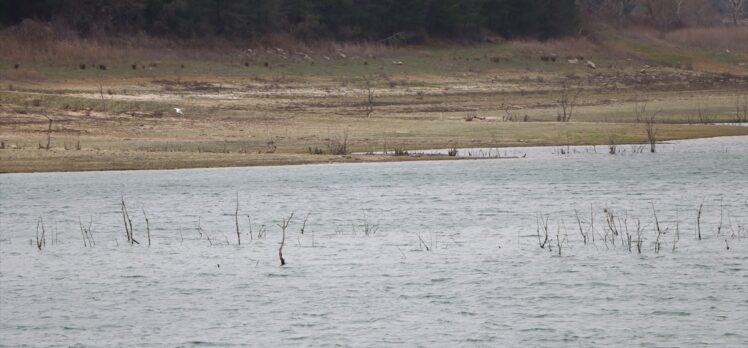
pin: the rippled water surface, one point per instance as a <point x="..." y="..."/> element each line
<point x="484" y="280"/>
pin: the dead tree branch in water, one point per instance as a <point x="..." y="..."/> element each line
<point x="41" y="240"/>
<point x="128" y="223"/>
<point x="542" y="224"/>
<point x="87" y="233"/>
<point x="303" y="225"/>
<point x="581" y="231"/>
<point x="147" y="227"/>
<point x="236" y="220"/>
<point x="249" y="222"/>
<point x="660" y="232"/>
<point x="283" y="225"/>
<point x="698" y="221"/>
<point x="650" y="128"/>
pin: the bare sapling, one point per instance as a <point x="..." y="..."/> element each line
<point x="660" y="232"/>
<point x="698" y="221"/>
<point x="236" y="220"/>
<point x="283" y="225"/>
<point x="83" y="232"/>
<point x="650" y="128"/>
<point x="639" y="240"/>
<point x="128" y="223"/>
<point x="736" y="8"/>
<point x="87" y="233"/>
<point x="41" y="234"/>
<point x="147" y="227"/>
<point x="611" y="222"/>
<point x="581" y="230"/>
<point x="627" y="241"/>
<point x="202" y="232"/>
<point x="422" y="242"/>
<point x="592" y="224"/>
<point x="542" y="225"/>
<point x="676" y="236"/>
<point x="558" y="238"/>
<point x="303" y="224"/>
<point x="721" y="215"/>
<point x="249" y="222"/>
<point x="567" y="102"/>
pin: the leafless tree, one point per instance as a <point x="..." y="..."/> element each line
<point x="283" y="225"/>
<point x="736" y="8"/>
<point x="567" y="102"/>
<point x="650" y="128"/>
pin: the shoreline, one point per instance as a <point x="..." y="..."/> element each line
<point x="278" y="160"/>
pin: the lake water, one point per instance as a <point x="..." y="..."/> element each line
<point x="484" y="280"/>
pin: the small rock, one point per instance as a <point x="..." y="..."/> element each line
<point x="591" y="64"/>
<point x="573" y="61"/>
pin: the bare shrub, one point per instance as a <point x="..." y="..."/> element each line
<point x="338" y="145"/>
<point x="704" y="115"/>
<point x="612" y="146"/>
<point x="401" y="152"/>
<point x="41" y="234"/>
<point x="567" y="102"/>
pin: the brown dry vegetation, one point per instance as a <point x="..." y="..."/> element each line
<point x="275" y="105"/>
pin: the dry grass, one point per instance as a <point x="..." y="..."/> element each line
<point x="564" y="46"/>
<point x="33" y="41"/>
<point x="722" y="38"/>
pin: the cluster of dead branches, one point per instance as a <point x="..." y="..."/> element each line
<point x="619" y="231"/>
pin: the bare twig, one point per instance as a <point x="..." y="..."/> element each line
<point x="303" y="225"/>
